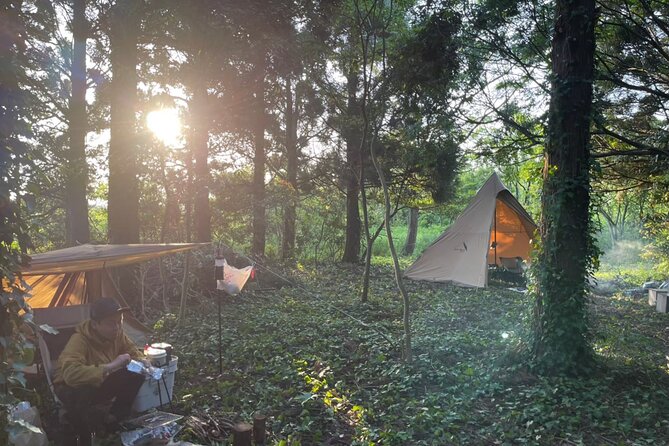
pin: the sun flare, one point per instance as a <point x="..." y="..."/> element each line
<point x="165" y="125"/>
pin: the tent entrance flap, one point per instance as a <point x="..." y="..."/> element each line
<point x="509" y="236"/>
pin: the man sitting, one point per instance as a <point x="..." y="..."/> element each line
<point x="91" y="370"/>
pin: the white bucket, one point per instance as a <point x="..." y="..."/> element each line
<point x="157" y="356"/>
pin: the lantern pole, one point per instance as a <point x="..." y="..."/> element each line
<point x="219" y="274"/>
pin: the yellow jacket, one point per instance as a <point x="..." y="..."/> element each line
<point x="80" y="363"/>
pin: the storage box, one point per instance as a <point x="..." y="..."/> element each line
<point x="653" y="293"/>
<point x="154" y="393"/>
<point x="661" y="305"/>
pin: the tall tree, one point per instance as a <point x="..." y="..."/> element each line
<point x="561" y="342"/>
<point x="19" y="29"/>
<point x="353" y="171"/>
<point x="77" y="168"/>
<point x="123" y="203"/>
<point x="292" y="153"/>
<point x="201" y="123"/>
<point x="259" y="156"/>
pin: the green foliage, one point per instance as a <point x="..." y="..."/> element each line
<point x="564" y="261"/>
<point x="625" y="263"/>
<point x="15" y="349"/>
<point x="656" y="227"/>
<point x="321" y="377"/>
<point x="426" y="235"/>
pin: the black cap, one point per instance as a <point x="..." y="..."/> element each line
<point x="105" y="307"/>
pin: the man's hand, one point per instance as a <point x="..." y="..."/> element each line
<point x="121" y="361"/>
<point x="118" y="363"/>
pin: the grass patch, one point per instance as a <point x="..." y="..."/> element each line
<point x="323" y="378"/>
<point x="625" y="264"/>
<point x="426" y="235"/>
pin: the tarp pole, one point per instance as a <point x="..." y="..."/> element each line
<point x="219" y="274"/>
<point x="220" y="336"/>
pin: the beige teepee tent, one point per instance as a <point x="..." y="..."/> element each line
<point x="493" y="229"/>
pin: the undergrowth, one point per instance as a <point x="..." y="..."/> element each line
<point x="323" y="378"/>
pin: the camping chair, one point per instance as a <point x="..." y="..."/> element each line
<point x="65" y="320"/>
<point x="512" y="264"/>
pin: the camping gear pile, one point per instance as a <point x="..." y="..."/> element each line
<point x="25" y="427"/>
<point x="62" y="284"/>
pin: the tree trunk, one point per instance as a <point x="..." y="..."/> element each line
<point x="259" y="223"/>
<point x="560" y="342"/>
<point x="171" y="212"/>
<point x="292" y="152"/>
<point x="123" y="200"/>
<point x="76" y="169"/>
<point x="412" y="232"/>
<point x="123" y="204"/>
<point x="406" y="313"/>
<point x="352" y="171"/>
<point x="200" y="148"/>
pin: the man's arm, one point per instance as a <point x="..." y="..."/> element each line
<point x="77" y="373"/>
<point x="73" y="364"/>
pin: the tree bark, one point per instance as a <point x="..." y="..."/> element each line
<point x="352" y="170"/>
<point x="292" y="153"/>
<point x="78" y="230"/>
<point x="412" y="232"/>
<point x="200" y="148"/>
<point x="560" y="326"/>
<point x="123" y="203"/>
<point x="259" y="223"/>
<point x="123" y="200"/>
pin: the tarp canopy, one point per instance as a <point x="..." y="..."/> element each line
<point x="91" y="257"/>
<point x="80" y="275"/>
<point x="494" y="226"/>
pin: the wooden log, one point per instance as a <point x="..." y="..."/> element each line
<point x="241" y="434"/>
<point x="259" y="424"/>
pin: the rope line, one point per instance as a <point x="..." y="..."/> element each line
<point x="311" y="293"/>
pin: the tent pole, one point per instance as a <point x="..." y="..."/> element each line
<point x="495" y="229"/>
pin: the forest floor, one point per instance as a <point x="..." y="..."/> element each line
<point x="323" y="378"/>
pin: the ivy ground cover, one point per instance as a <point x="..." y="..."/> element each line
<point x="326" y="369"/>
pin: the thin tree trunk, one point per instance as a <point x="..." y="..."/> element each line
<point x="77" y="225"/>
<point x="259" y="222"/>
<point x="200" y="147"/>
<point x="123" y="206"/>
<point x="369" y="241"/>
<point x="171" y="212"/>
<point x="406" y="314"/>
<point x="161" y="269"/>
<point x="184" y="289"/>
<point x="412" y="232"/>
<point x="560" y="326"/>
<point x="352" y="170"/>
<point x="292" y="153"/>
<point x="188" y="197"/>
